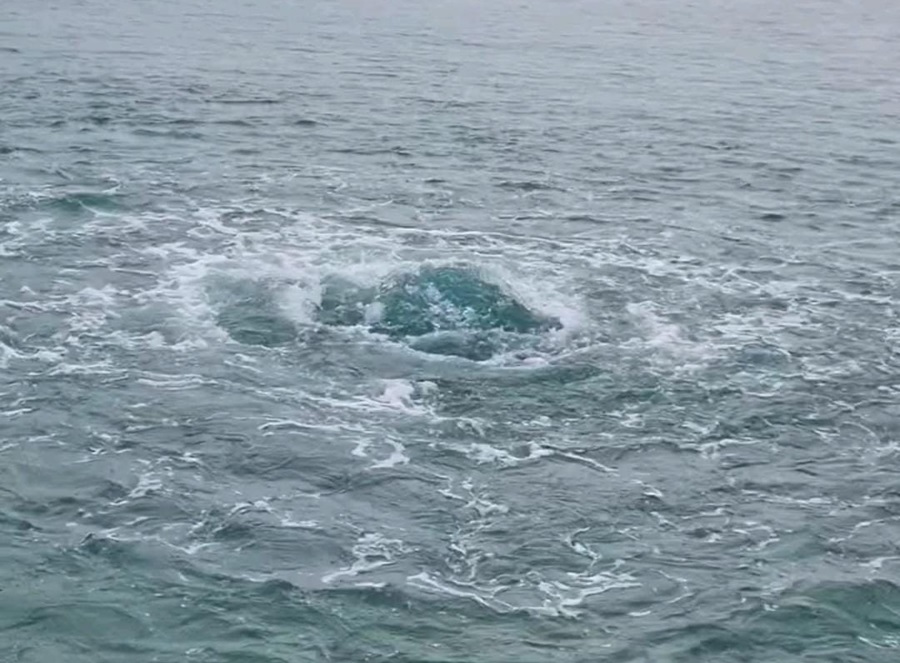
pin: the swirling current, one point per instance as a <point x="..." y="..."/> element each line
<point x="449" y="331"/>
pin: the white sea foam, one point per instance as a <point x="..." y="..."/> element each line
<point x="397" y="456"/>
<point x="371" y="551"/>
<point x="668" y="338"/>
<point x="432" y="582"/>
<point x="558" y="598"/>
<point x="397" y="394"/>
<point x="563" y="598"/>
<point x="90" y="308"/>
<point x="6" y="354"/>
<point x="295" y="261"/>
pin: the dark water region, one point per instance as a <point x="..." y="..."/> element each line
<point x="445" y="332"/>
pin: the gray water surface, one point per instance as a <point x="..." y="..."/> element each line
<point x="449" y="332"/>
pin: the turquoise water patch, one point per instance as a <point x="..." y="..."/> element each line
<point x="442" y="310"/>
<point x="437" y="299"/>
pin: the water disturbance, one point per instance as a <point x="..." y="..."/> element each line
<point x="449" y="332"/>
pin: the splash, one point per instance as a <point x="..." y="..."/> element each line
<point x="435" y="299"/>
<point x="441" y="310"/>
<point x="448" y="310"/>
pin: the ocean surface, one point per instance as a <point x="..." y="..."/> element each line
<point x="454" y="331"/>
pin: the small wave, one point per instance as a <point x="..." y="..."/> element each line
<point x="248" y="311"/>
<point x="246" y="101"/>
<point x="169" y="133"/>
<point x="528" y="186"/>
<point x="79" y="201"/>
